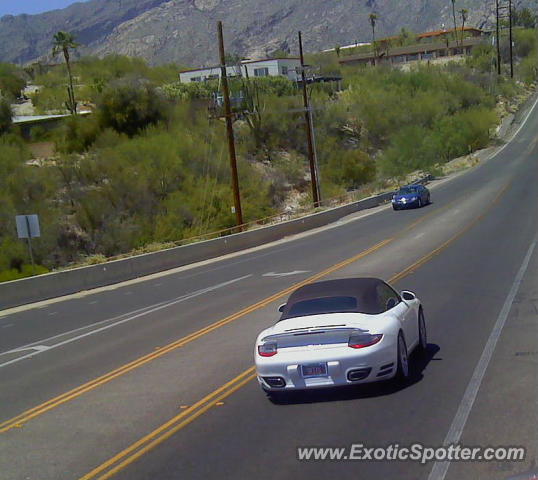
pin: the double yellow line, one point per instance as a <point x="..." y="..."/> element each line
<point x="78" y="391"/>
<point x="165" y="431"/>
<point x="152" y="440"/>
<point x="38" y="410"/>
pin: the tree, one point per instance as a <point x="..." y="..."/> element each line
<point x="373" y="17"/>
<point x="5" y="115"/>
<point x="463" y="13"/>
<point x="524" y="18"/>
<point x="406" y="38"/>
<point x="455" y="24"/>
<point x="131" y="106"/>
<point x="280" y="53"/>
<point x="337" y="50"/>
<point x="11" y="82"/>
<point x="63" y="42"/>
<point x="232" y="58"/>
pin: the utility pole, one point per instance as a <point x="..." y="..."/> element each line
<point x="229" y="130"/>
<point x="498" y="38"/>
<point x="511" y="41"/>
<point x="309" y="130"/>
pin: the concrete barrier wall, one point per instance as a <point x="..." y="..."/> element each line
<point x="33" y="289"/>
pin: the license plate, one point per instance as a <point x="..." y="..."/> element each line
<point x="317" y="370"/>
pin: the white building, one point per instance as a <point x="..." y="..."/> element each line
<point x="269" y="67"/>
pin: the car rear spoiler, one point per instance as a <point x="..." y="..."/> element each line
<point x="301" y="332"/>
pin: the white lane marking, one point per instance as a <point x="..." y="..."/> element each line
<point x="285" y="274"/>
<point x="52" y="313"/>
<point x="420" y="235"/>
<point x="93" y="303"/>
<point x="523" y="123"/>
<point x="87" y="327"/>
<point x="157" y="284"/>
<point x="128" y="293"/>
<point x="353" y="218"/>
<point x="37" y="348"/>
<point x="147" y="310"/>
<point x="8" y="325"/>
<point x="440" y="469"/>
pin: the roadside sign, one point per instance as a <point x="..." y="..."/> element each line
<point x="28" y="226"/>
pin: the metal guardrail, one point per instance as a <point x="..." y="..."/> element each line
<point x="56" y="284"/>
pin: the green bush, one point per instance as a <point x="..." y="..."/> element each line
<point x="416" y="147"/>
<point x="130" y="107"/>
<point x="483" y="58"/>
<point x="6" y="116"/>
<point x="525" y="42"/>
<point x="524" y="17"/>
<point x="11" y="81"/>
<point x="51" y="99"/>
<point x="150" y="167"/>
<point x="269" y="86"/>
<point x="77" y="134"/>
<point x="348" y="168"/>
<point x="25" y="271"/>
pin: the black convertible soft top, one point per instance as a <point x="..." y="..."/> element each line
<point x="360" y="295"/>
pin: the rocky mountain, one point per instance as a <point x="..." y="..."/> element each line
<point x="184" y="31"/>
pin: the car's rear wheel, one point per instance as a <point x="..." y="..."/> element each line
<point x="422" y="334"/>
<point x="419" y="202"/>
<point x="402" y="372"/>
<point x="394" y="207"/>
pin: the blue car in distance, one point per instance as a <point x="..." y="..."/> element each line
<point x="411" y="196"/>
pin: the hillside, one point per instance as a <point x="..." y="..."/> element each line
<point x="183" y="31"/>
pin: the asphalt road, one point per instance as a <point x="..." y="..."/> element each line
<point x="469" y="256"/>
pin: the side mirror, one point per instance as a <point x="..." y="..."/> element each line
<point x="282" y="307"/>
<point x="408" y="296"/>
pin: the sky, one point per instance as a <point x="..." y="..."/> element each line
<point x="15" y="7"/>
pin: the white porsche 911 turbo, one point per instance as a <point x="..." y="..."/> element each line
<point x="340" y="332"/>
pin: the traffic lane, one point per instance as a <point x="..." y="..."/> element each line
<point x="33" y="325"/>
<point x="78" y="312"/>
<point x="33" y="381"/>
<point x="157" y="390"/>
<point x="303" y="266"/>
<point x="505" y="412"/>
<point x="463" y="291"/>
<point x="53" y="372"/>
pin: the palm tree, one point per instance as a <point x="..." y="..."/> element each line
<point x="373" y="18"/>
<point x="463" y="13"/>
<point x="455" y="24"/>
<point x="63" y="42"/>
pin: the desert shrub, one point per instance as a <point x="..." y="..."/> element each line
<point x="348" y="168"/>
<point x="11" y="81"/>
<point x="77" y="134"/>
<point x="6" y="116"/>
<point x="525" y="42"/>
<point x="130" y="107"/>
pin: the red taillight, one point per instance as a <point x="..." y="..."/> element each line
<point x="362" y="340"/>
<point x="267" y="349"/>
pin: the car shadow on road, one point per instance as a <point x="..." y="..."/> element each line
<point x="368" y="390"/>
